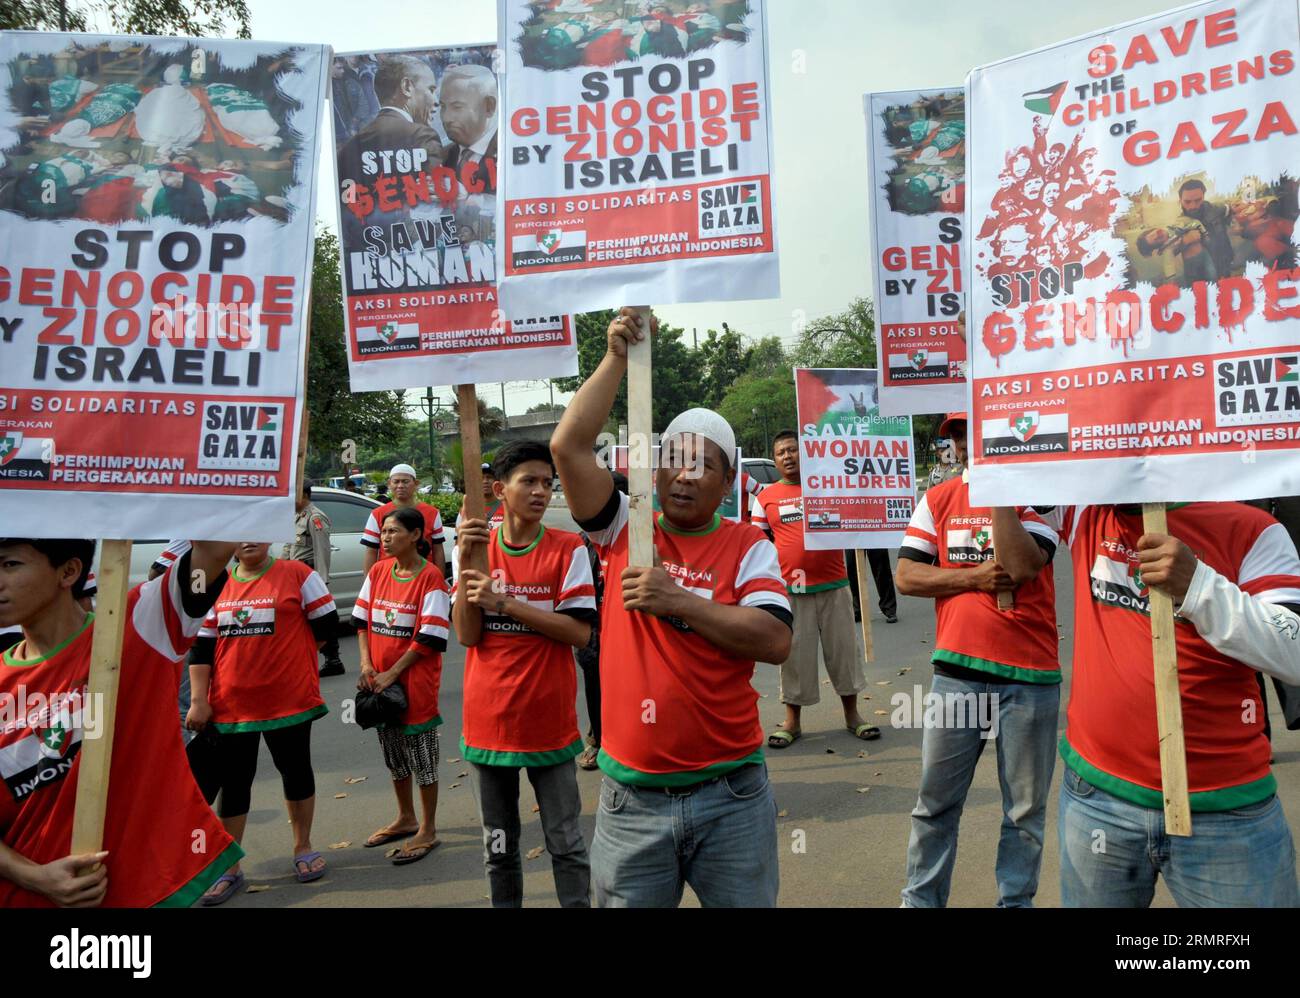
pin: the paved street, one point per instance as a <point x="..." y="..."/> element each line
<point x="855" y="841"/>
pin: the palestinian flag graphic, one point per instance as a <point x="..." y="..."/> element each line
<point x="919" y="365"/>
<point x="246" y="622"/>
<point x="1286" y="370"/>
<point x="1119" y="583"/>
<point x="43" y="757"/>
<point x="268" y="418"/>
<point x="749" y="194"/>
<point x="834" y="396"/>
<point x="1045" y="101"/>
<point x="388" y="337"/>
<point x="1026" y="432"/>
<point x="971" y="544"/>
<point x="25" y="457"/>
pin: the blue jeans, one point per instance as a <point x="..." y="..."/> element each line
<point x="1026" y="745"/>
<point x="719" y="837"/>
<point x="1112" y="851"/>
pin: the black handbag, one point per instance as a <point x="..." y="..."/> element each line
<point x="385" y="707"/>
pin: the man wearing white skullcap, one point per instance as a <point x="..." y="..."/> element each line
<point x="401" y="486"/>
<point x="681" y="743"/>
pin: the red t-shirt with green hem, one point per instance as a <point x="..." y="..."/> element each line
<point x="675" y="708"/>
<point x="264" y="671"/>
<point x="397" y="615"/>
<point x="778" y="512"/>
<point x="1111" y="737"/>
<point x="165" y="845"/>
<point x="1019" y="644"/>
<point x="521" y="686"/>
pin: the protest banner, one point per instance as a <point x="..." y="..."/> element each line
<point x="916" y="141"/>
<point x="1134" y="309"/>
<point x="415" y="141"/>
<point x="856" y="466"/>
<point x="1134" y="299"/>
<point x="636" y="154"/>
<point x="162" y="193"/>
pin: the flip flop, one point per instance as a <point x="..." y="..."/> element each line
<point x="234" y="881"/>
<point x="867" y="732"/>
<point x="403" y="857"/>
<point x="780" y="738"/>
<point x="375" y="843"/>
<point x="308" y="875"/>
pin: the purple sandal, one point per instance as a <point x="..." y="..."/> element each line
<point x="310" y="874"/>
<point x="233" y="882"/>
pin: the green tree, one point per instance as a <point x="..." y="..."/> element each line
<point x="721" y="359"/>
<point x="135" y="17"/>
<point x="591" y="328"/>
<point x="369" y="419"/>
<point x="773" y="398"/>
<point x="491" y="420"/>
<point x="845" y="339"/>
<point x="768" y="357"/>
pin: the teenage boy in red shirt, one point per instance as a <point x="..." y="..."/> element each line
<point x="521" y="622"/>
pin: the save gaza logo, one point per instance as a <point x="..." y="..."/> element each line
<point x="241" y="436"/>
<point x="1263" y="389"/>
<point x="1026" y="432"/>
<point x="1120" y="583"/>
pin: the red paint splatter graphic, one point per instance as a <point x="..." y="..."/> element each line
<point x="1051" y="202"/>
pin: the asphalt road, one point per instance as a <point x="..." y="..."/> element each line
<point x="849" y="812"/>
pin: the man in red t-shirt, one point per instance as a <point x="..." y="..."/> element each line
<point x="162" y="844"/>
<point x="1234" y="577"/>
<point x="681" y="736"/>
<point x="819" y="599"/>
<point x="401" y="484"/>
<point x="996" y="674"/>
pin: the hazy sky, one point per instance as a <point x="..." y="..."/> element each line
<point x="825" y="54"/>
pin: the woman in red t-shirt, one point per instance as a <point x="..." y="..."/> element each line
<point x="253" y="677"/>
<point x="401" y="620"/>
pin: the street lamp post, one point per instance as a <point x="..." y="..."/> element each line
<point x="431" y="405"/>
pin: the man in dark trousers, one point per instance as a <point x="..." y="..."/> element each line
<point x="882" y="575"/>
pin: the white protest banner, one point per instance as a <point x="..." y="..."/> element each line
<point x="159" y="233"/>
<point x="637" y="157"/>
<point x="856" y="466"/>
<point x="415" y="141"/>
<point x="916" y="141"/>
<point x="1134" y="301"/>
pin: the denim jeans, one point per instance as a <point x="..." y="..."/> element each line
<point x="1112" y="851"/>
<point x="719" y="837"/>
<point x="556" y="788"/>
<point x="1026" y="746"/>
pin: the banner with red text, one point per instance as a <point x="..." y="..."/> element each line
<point x="916" y="141"/>
<point x="1135" y="302"/>
<point x="158" y="215"/>
<point x="637" y="154"/>
<point x="856" y="466"/>
<point x="415" y="142"/>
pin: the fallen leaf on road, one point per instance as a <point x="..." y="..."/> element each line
<point x="453" y="760"/>
<point x="461" y="776"/>
<point x="862" y="754"/>
<point x="339" y="796"/>
<point x="830" y="751"/>
<point x="782" y="814"/>
<point x="535" y="852"/>
<point x="884" y="682"/>
<point x="826" y="682"/>
<point x="904" y="672"/>
<point x="340" y="845"/>
<point x="866" y="696"/>
<point x="258" y="888"/>
<point x="453" y="786"/>
<point x="877" y="773"/>
<point x="763" y="696"/>
<point x="356" y="779"/>
<point x="863" y="790"/>
<point x="882" y="713"/>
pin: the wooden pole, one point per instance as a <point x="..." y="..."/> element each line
<point x="472" y="452"/>
<point x="91" y="806"/>
<point x="640" y="478"/>
<point x="869" y="652"/>
<point x="1169" y="704"/>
